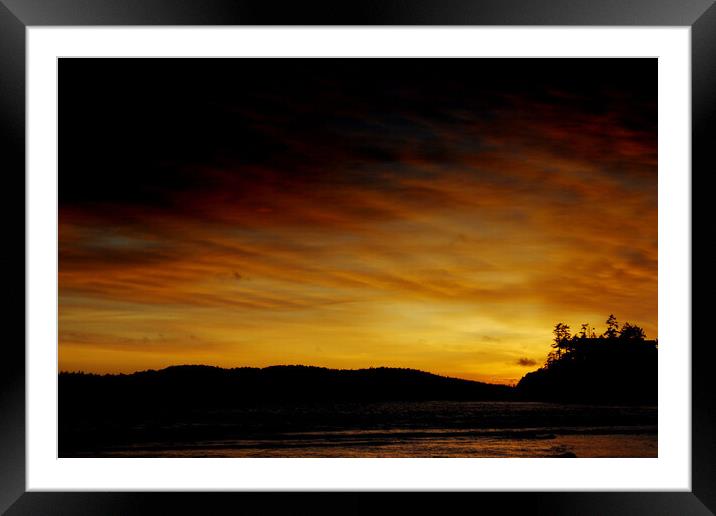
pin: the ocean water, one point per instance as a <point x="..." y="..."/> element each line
<point x="392" y="429"/>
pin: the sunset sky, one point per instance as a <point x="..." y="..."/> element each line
<point x="437" y="214"/>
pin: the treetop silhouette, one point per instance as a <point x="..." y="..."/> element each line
<point x="618" y="365"/>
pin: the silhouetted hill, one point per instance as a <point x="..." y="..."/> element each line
<point x="206" y="386"/>
<point x="597" y="370"/>
<point x="182" y="405"/>
<point x="202" y="402"/>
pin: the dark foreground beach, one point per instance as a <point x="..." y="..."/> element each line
<point x="376" y="429"/>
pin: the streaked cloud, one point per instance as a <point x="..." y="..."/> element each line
<point x="443" y="233"/>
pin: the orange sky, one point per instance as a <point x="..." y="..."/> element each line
<point x="449" y="240"/>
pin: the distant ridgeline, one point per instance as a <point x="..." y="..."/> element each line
<point x="618" y="366"/>
<point x="188" y="386"/>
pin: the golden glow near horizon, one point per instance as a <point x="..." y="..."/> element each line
<point x="459" y="267"/>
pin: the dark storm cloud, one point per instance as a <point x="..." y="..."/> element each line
<point x="137" y="131"/>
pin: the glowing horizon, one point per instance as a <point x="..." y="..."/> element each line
<point x="324" y="214"/>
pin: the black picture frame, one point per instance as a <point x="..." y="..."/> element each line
<point x="17" y="15"/>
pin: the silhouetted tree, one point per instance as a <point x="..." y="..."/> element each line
<point x="584" y="331"/>
<point x="612" y="331"/>
<point x="561" y="333"/>
<point x="632" y="332"/>
<point x="561" y="342"/>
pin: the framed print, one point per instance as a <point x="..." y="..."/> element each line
<point x="383" y="248"/>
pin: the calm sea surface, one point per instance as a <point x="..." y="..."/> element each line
<point x="414" y="429"/>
